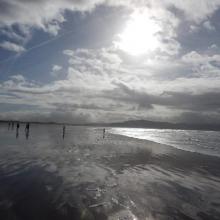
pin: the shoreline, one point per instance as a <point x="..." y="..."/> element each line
<point x="168" y="145"/>
<point x="173" y="155"/>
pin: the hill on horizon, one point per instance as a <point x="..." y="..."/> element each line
<point x="139" y="124"/>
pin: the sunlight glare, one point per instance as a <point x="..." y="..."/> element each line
<point x="139" y="36"/>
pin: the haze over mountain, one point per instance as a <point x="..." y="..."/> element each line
<point x="166" y="125"/>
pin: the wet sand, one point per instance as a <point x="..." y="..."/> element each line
<point x="87" y="177"/>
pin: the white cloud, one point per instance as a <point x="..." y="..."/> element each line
<point x="68" y="52"/>
<point x="48" y="14"/>
<point x="92" y="69"/>
<point x="204" y="8"/>
<point x="12" y="46"/>
<point x="208" y="26"/>
<point x="213" y="47"/>
<point x="45" y="14"/>
<point x="56" y="70"/>
<point x="203" y="64"/>
<point x="193" y="28"/>
<point x="104" y="85"/>
<point x="93" y="73"/>
<point x="196" y="58"/>
<point x="18" y="78"/>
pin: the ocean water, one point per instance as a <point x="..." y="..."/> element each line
<point x="86" y="177"/>
<point x="204" y="142"/>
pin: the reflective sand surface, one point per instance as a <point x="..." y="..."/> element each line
<point x="86" y="177"/>
<point x="204" y="142"/>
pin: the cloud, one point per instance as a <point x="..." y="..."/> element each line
<point x="204" y="8"/>
<point x="176" y="100"/>
<point x="41" y="116"/>
<point x="43" y="14"/>
<point x="56" y="70"/>
<point x="89" y="66"/>
<point x="155" y="30"/>
<point x="18" y="78"/>
<point x="48" y="14"/>
<point x="105" y="85"/>
<point x="198" y="117"/>
<point x="203" y="64"/>
<point x="11" y="34"/>
<point x="124" y="94"/>
<point x="12" y="47"/>
<point x="63" y="106"/>
<point x="208" y="26"/>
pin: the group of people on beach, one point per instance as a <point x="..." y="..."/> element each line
<point x="11" y="125"/>
<point x="27" y="128"/>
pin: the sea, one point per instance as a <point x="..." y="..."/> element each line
<point x="129" y="174"/>
<point x="204" y="142"/>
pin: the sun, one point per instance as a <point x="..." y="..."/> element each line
<point x="140" y="35"/>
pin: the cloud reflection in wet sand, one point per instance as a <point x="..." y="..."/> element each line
<point x="86" y="177"/>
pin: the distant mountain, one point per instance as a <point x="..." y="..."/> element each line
<point x="142" y="124"/>
<point x="165" y="125"/>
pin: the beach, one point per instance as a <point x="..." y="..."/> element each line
<point x="84" y="176"/>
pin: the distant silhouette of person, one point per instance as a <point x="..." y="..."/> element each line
<point x="12" y="125"/>
<point x="103" y="133"/>
<point x="27" y="129"/>
<point x="64" y="131"/>
<point x="17" y="129"/>
<point x="9" y="125"/>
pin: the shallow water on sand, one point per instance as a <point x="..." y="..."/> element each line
<point x="87" y="177"/>
<point x="204" y="142"/>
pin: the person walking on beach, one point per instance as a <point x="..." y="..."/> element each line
<point x="64" y="130"/>
<point x="103" y="133"/>
<point x="9" y="125"/>
<point x="12" y="126"/>
<point x="17" y="129"/>
<point x="27" y="127"/>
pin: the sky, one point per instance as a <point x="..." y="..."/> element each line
<point x="80" y="61"/>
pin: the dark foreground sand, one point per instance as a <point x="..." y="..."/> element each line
<point x="86" y="177"/>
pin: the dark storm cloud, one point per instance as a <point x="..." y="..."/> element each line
<point x="125" y="94"/>
<point x="72" y="106"/>
<point x="69" y="117"/>
<point x="198" y="117"/>
<point x="42" y="116"/>
<point x="7" y="107"/>
<point x="177" y="100"/>
<point x="197" y="102"/>
<point x="43" y="90"/>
